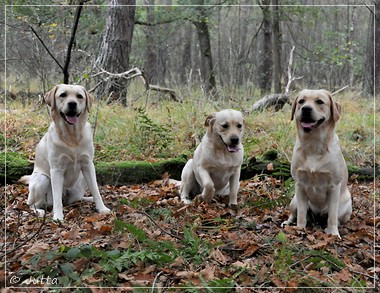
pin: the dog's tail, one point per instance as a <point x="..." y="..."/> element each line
<point x="24" y="179"/>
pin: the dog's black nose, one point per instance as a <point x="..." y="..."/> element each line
<point x="306" y="109"/>
<point x="72" y="105"/>
<point x="234" y="140"/>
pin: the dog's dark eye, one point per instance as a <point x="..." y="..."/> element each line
<point x="239" y="126"/>
<point x="225" y="125"/>
<point x="320" y="102"/>
<point x="301" y="101"/>
<point x="79" y="96"/>
<point x="63" y="95"/>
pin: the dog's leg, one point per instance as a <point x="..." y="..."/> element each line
<point x="207" y="185"/>
<point x="333" y="208"/>
<point x="302" y="207"/>
<point x="39" y="188"/>
<point x="57" y="189"/>
<point x="234" y="188"/>
<point x="89" y="174"/>
<point x="293" y="213"/>
<point x="345" y="207"/>
<point x="188" y="182"/>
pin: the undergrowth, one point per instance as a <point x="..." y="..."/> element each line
<point x="159" y="129"/>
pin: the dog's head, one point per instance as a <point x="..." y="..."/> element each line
<point x="314" y="108"/>
<point x="227" y="128"/>
<point x="69" y="101"/>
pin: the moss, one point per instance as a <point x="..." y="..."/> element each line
<point x="135" y="172"/>
<point x="270" y="155"/>
<point x="13" y="166"/>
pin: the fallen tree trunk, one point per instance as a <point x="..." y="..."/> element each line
<point x="276" y="100"/>
<point x="137" y="172"/>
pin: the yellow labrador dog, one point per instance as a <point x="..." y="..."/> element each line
<point x="318" y="166"/>
<point x="215" y="167"/>
<point x="64" y="157"/>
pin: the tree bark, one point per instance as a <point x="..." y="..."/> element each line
<point x="186" y="53"/>
<point x="151" y="64"/>
<point x="265" y="51"/>
<point x="377" y="47"/>
<point x="276" y="48"/>
<point x="368" y="79"/>
<point x="116" y="45"/>
<point x="207" y="66"/>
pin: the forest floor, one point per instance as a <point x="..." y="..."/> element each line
<point x="152" y="242"/>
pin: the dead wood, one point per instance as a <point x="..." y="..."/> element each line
<point x="130" y="74"/>
<point x="277" y="100"/>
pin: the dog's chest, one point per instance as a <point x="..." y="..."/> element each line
<point x="72" y="160"/>
<point x="313" y="171"/>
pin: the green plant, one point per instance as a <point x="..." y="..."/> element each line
<point x="155" y="137"/>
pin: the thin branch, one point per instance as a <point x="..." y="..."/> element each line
<point x="168" y="233"/>
<point x="290" y="78"/>
<point x="71" y="43"/>
<point x="132" y="73"/>
<point x="155" y="280"/>
<point x="28" y="239"/>
<point x="338" y="91"/>
<point x="46" y="48"/>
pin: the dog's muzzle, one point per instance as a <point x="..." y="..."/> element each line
<point x="307" y="121"/>
<point x="71" y="115"/>
<point x="233" y="146"/>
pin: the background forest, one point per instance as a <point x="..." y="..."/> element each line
<point x="226" y="44"/>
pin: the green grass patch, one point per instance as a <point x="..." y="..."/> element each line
<point x="151" y="128"/>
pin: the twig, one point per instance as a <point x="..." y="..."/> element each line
<point x="132" y="73"/>
<point x="338" y="91"/>
<point x="315" y="255"/>
<point x="26" y="240"/>
<point x="155" y="280"/>
<point x="168" y="233"/>
<point x="290" y="78"/>
<point x="46" y="48"/>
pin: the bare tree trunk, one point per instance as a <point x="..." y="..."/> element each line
<point x="185" y="66"/>
<point x="265" y="51"/>
<point x="207" y="67"/>
<point x="243" y="30"/>
<point x="117" y="42"/>
<point x="276" y="48"/>
<point x="377" y="47"/>
<point x="151" y="64"/>
<point x="369" y="78"/>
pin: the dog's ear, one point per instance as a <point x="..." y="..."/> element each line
<point x="89" y="100"/>
<point x="210" y="120"/>
<point x="294" y="106"/>
<point x="49" y="97"/>
<point x="335" y="109"/>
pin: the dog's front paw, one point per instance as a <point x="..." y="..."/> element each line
<point x="198" y="199"/>
<point x="58" y="216"/>
<point x="332" y="231"/>
<point x="285" y="223"/>
<point x="104" y="210"/>
<point x="186" y="200"/>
